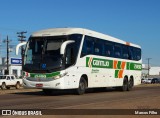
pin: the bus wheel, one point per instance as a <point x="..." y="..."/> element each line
<point x="82" y="86"/>
<point x="125" y="84"/>
<point x="130" y="84"/>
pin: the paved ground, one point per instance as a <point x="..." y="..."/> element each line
<point x="141" y="97"/>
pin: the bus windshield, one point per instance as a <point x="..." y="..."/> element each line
<point x="43" y="53"/>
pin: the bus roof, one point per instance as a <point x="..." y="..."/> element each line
<point x="68" y="31"/>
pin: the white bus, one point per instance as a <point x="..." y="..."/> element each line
<point x="76" y="58"/>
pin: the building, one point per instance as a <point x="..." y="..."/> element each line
<point x="15" y="66"/>
<point x="153" y="71"/>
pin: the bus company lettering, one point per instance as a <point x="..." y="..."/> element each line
<point x="137" y="66"/>
<point x="40" y="76"/>
<point x="100" y="63"/>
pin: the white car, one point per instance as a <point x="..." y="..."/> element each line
<point x="147" y="80"/>
<point x="7" y="81"/>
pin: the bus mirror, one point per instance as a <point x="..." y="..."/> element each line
<point x="63" y="46"/>
<point x="18" y="46"/>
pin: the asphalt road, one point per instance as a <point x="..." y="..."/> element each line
<point x="142" y="97"/>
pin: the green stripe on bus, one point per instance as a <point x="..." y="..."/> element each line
<point x="119" y="65"/>
<point x="116" y="73"/>
<point x="135" y="66"/>
<point x="128" y="66"/>
<point x="87" y="61"/>
<point x="105" y="63"/>
<point x="46" y="75"/>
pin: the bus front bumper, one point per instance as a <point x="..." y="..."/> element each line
<point x="54" y="84"/>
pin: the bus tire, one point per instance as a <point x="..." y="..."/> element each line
<point x="3" y="86"/>
<point x="125" y="84"/>
<point x="130" y="84"/>
<point x="82" y="86"/>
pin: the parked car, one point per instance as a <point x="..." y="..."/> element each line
<point x="155" y="80"/>
<point x="146" y="80"/>
<point x="7" y="81"/>
<point x="143" y="80"/>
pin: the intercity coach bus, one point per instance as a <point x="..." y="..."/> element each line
<point x="76" y="58"/>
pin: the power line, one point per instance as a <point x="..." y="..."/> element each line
<point x="21" y="36"/>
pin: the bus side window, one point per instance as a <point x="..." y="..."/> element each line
<point x="130" y="54"/>
<point x="138" y="54"/>
<point x="117" y="51"/>
<point x="84" y="51"/>
<point x="88" y="46"/>
<point x="98" y="46"/>
<point x="70" y="56"/>
<point x="134" y="53"/>
<point x="108" y="49"/>
<point x="125" y="52"/>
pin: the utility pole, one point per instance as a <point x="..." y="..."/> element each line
<point x="7" y="41"/>
<point x="22" y="39"/>
<point x="148" y="64"/>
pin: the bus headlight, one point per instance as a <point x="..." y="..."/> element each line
<point x="59" y="76"/>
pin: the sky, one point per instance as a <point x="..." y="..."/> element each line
<point x="135" y="21"/>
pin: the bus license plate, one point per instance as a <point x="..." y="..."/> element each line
<point x="39" y="85"/>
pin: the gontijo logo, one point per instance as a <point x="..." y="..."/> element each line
<point x="98" y="63"/>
